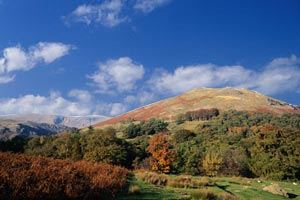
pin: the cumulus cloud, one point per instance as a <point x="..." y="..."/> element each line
<point x="17" y="59"/>
<point x="120" y="74"/>
<point x="49" y="52"/>
<point x="280" y="75"/>
<point x="81" y="95"/>
<point x="147" y="6"/>
<point x="107" y="13"/>
<point x="142" y="98"/>
<point x="117" y="108"/>
<point x="209" y="75"/>
<point x="52" y="104"/>
<point x="78" y="102"/>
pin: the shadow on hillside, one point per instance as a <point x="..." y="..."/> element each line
<point x="292" y="196"/>
<point x="224" y="188"/>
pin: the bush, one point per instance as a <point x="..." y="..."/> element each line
<point x="204" y="193"/>
<point x="153" y="178"/>
<point x="209" y="194"/>
<point x="32" y="177"/>
<point x="189" y="182"/>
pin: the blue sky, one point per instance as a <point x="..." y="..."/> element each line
<point x="81" y="57"/>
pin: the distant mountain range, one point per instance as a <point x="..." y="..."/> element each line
<point x="69" y="121"/>
<point x="28" y="125"/>
<point x="10" y="128"/>
<point x="206" y="98"/>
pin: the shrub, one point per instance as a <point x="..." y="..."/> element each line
<point x="189" y="182"/>
<point x="227" y="196"/>
<point x="204" y="193"/>
<point x="153" y="178"/>
<point x="181" y="182"/>
<point x="209" y="194"/>
<point x="32" y="177"/>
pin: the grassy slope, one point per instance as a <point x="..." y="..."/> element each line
<point x="149" y="191"/>
<point x="204" y="98"/>
<point x="251" y="188"/>
<point x="248" y="189"/>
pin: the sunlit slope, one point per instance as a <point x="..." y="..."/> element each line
<point x="205" y="98"/>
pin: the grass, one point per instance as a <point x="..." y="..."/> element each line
<point x="253" y="188"/>
<point x="220" y="187"/>
<point x="150" y="191"/>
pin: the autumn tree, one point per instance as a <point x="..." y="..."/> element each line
<point x="161" y="152"/>
<point x="212" y="163"/>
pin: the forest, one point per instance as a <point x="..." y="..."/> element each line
<point x="231" y="143"/>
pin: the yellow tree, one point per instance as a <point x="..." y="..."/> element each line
<point x="161" y="152"/>
<point x="212" y="163"/>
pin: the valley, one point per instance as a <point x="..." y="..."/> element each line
<point x="205" y="150"/>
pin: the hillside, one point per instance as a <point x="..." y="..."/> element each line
<point x="70" y="121"/>
<point x="11" y="128"/>
<point x="205" y="98"/>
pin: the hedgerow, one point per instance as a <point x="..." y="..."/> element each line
<point x="33" y="177"/>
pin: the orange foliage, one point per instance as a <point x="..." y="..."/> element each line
<point x="162" y="154"/>
<point x="32" y="177"/>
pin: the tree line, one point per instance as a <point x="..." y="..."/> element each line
<point x="232" y="143"/>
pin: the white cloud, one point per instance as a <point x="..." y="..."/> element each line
<point x="190" y="77"/>
<point x="147" y="6"/>
<point x="6" y="79"/>
<point x="119" y="74"/>
<point x="17" y="59"/>
<point x="142" y="98"/>
<point x="107" y="13"/>
<point x="111" y="13"/>
<point x="52" y="104"/>
<point x="111" y="109"/>
<point x="14" y="58"/>
<point x="80" y="102"/>
<point x="280" y="75"/>
<point x="117" y="108"/>
<point x="49" y="52"/>
<point x="81" y="95"/>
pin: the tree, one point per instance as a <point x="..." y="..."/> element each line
<point x="132" y="131"/>
<point x="102" y="146"/>
<point x="152" y="126"/>
<point x="212" y="163"/>
<point x="161" y="152"/>
<point x="179" y="119"/>
<point x="183" y="135"/>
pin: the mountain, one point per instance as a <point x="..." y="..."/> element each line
<point x="11" y="128"/>
<point x="70" y="121"/>
<point x="205" y="98"/>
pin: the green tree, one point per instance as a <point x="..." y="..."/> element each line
<point x="179" y="119"/>
<point x="183" y="135"/>
<point x="105" y="147"/>
<point x="132" y="130"/>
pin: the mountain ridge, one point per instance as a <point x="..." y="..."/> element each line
<point x="69" y="121"/>
<point x="206" y="98"/>
<point x="11" y="128"/>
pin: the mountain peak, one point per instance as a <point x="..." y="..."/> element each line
<point x="240" y="99"/>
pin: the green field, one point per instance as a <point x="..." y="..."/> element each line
<point x="238" y="188"/>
